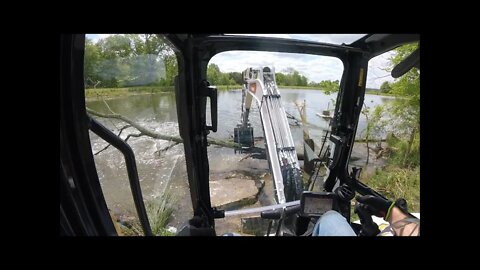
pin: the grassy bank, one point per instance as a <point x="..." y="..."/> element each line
<point x="395" y="182"/>
<point x="368" y="91"/>
<point x="117" y="92"/>
<point x="228" y="87"/>
<point x="284" y="87"/>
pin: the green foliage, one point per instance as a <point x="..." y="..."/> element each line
<point x="327" y="86"/>
<point x="395" y="182"/>
<point x="405" y="111"/>
<point x="376" y="122"/>
<point x="407" y="86"/>
<point x="236" y="77"/>
<point x="385" y="87"/>
<point x="159" y="211"/>
<point x="115" y="46"/>
<point x="213" y="74"/>
<point x="117" y="92"/>
<point x="291" y="78"/>
<point x="91" y="60"/>
<point x="129" y="60"/>
<point x="228" y="87"/>
<point x="216" y="77"/>
<point x="378" y="93"/>
<point x="280" y="79"/>
<point x="399" y="149"/>
<point x="401" y="177"/>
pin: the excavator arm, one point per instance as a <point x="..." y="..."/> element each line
<point x="260" y="85"/>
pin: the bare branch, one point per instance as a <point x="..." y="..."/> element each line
<point x="134" y="135"/>
<point x="106" y="104"/>
<point x="147" y="132"/>
<point x="166" y="148"/>
<point x="247" y="156"/>
<point x="105" y="148"/>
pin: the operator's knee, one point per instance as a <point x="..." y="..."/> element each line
<point x="331" y="214"/>
<point x="332" y="223"/>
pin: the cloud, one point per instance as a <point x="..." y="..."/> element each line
<point x="315" y="68"/>
<point x="376" y="70"/>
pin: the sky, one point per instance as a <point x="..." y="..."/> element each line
<point x="315" y="68"/>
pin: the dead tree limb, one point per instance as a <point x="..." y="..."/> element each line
<point x="147" y="132"/>
<point x="119" y="133"/>
<point x="166" y="148"/>
<point x="133" y="135"/>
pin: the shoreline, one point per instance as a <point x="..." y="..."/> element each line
<point x="92" y="94"/>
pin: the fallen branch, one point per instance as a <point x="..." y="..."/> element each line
<point x="121" y="130"/>
<point x="166" y="148"/>
<point x="147" y="132"/>
<point x="133" y="135"/>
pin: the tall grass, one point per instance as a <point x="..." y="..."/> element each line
<point x="159" y="211"/>
<point x="399" y="150"/>
<point x="395" y="182"/>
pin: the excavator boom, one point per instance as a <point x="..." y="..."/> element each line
<point x="260" y="85"/>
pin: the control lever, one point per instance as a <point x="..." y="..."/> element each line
<point x="280" y="214"/>
<point x="345" y="193"/>
<point x="277" y="213"/>
<point x="369" y="228"/>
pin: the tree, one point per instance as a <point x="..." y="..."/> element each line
<point x="171" y="69"/>
<point x="213" y="74"/>
<point x="385" y="87"/>
<point x="280" y="78"/>
<point x="291" y="77"/>
<point x="115" y="46"/>
<point x="153" y="61"/>
<point x="114" y="67"/>
<point x="329" y="86"/>
<point x="406" y="110"/>
<point x="236" y="77"/>
<point x="92" y="58"/>
<point x="130" y="60"/>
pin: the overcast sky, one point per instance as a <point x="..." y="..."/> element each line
<point x="315" y="68"/>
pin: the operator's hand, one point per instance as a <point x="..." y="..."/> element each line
<point x="376" y="205"/>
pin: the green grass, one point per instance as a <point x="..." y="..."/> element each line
<point x="125" y="91"/>
<point x="299" y="87"/>
<point x="117" y="92"/>
<point x="399" y="149"/>
<point x="159" y="211"/>
<point x="395" y="182"/>
<point x="228" y="87"/>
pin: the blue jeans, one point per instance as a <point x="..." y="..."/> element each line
<point x="332" y="223"/>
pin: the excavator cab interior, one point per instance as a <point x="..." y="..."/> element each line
<point x="83" y="210"/>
